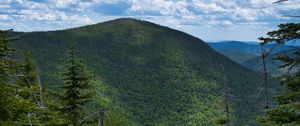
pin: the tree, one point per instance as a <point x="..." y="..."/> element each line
<point x="225" y="100"/>
<point x="6" y="90"/>
<point x="75" y="89"/>
<point x="265" y="86"/>
<point x="27" y="91"/>
<point x="30" y="89"/>
<point x="13" y="108"/>
<point x="288" y="108"/>
<point x="22" y="102"/>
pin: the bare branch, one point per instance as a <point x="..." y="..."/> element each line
<point x="5" y="13"/>
<point x="279" y="1"/>
<point x="271" y="49"/>
<point x="15" y="37"/>
<point x="293" y="16"/>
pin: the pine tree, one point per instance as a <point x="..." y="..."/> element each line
<point x="6" y="90"/>
<point x="28" y="79"/>
<point x="30" y="90"/>
<point x="288" y="108"/>
<point x="14" y="109"/>
<point x="19" y="90"/>
<point x="75" y="89"/>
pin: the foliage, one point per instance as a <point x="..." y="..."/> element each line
<point x="161" y="76"/>
<point x="5" y="89"/>
<point x="20" y="101"/>
<point x="288" y="108"/>
<point x="76" y="84"/>
<point x="14" y="109"/>
<point x="115" y="115"/>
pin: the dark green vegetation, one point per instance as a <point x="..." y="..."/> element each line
<point x="249" y="54"/>
<point x="149" y="74"/>
<point x="75" y="93"/>
<point x="21" y="100"/>
<point x="288" y="108"/>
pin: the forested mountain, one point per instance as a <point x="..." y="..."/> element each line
<point x="236" y="46"/>
<point x="152" y="74"/>
<point x="272" y="65"/>
<point x="249" y="54"/>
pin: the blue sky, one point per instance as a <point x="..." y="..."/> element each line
<point x="210" y="20"/>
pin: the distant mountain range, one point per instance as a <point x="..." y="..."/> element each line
<point x="249" y="54"/>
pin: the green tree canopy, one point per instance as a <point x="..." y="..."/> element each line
<point x="75" y="89"/>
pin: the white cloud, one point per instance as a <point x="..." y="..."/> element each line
<point x="174" y="13"/>
<point x="4" y="17"/>
<point x="161" y="7"/>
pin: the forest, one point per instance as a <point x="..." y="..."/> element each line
<point x="128" y="72"/>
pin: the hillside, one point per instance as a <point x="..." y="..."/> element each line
<point x="272" y="65"/>
<point x="159" y="76"/>
<point x="236" y="46"/>
<point x="248" y="54"/>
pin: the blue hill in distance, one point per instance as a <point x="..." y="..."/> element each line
<point x="248" y="53"/>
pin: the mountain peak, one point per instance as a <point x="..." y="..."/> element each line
<point x="149" y="64"/>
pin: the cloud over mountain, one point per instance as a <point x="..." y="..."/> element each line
<point x="186" y="15"/>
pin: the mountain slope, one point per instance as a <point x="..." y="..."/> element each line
<point x="238" y="56"/>
<point x="256" y="65"/>
<point x="161" y="76"/>
<point x="236" y="46"/>
<point x="248" y="54"/>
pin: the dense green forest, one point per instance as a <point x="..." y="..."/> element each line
<point x="146" y="74"/>
<point x="131" y="72"/>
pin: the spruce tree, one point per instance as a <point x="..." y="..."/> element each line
<point x="287" y="111"/>
<point x="30" y="90"/>
<point x="13" y="108"/>
<point x="20" y="103"/>
<point x="28" y="79"/>
<point x="6" y="90"/>
<point x="75" y="89"/>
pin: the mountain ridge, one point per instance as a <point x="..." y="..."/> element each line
<point x="248" y="54"/>
<point x="162" y="75"/>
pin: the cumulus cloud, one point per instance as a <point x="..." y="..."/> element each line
<point x="225" y="14"/>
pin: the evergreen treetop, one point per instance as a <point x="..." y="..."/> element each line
<point x="75" y="89"/>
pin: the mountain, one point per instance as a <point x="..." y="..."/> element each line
<point x="156" y="75"/>
<point x="236" y="46"/>
<point x="272" y="64"/>
<point x="248" y="54"/>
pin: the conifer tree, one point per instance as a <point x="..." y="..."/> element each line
<point x="6" y="90"/>
<point x="288" y="108"/>
<point x="75" y="89"/>
<point x="19" y="104"/>
<point x="30" y="90"/>
<point x="13" y="109"/>
<point x="28" y="79"/>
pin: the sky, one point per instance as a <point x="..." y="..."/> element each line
<point x="210" y="20"/>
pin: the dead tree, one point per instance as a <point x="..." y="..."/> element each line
<point x="41" y="93"/>
<point x="101" y="117"/>
<point x="226" y="96"/>
<point x="265" y="90"/>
